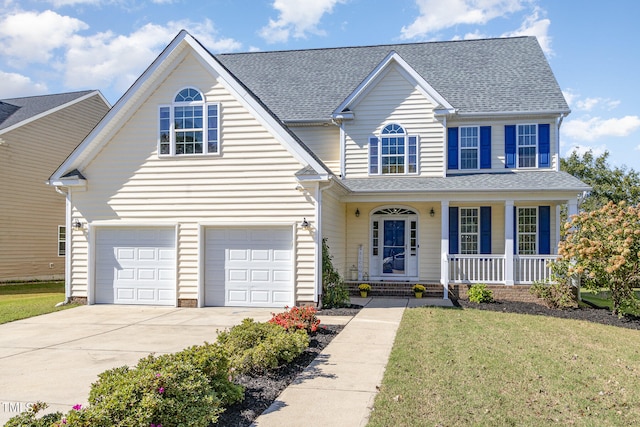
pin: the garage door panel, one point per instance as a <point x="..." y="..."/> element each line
<point x="135" y="266"/>
<point x="250" y="266"/>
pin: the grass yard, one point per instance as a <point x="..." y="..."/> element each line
<point x="451" y="367"/>
<point x="22" y="300"/>
<point x="601" y="299"/>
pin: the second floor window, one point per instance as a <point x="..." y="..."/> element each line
<point x="189" y="126"/>
<point x="394" y="152"/>
<point x="469" y="145"/>
<point x="527" y="145"/>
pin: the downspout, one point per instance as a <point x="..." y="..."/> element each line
<point x="343" y="147"/>
<point x="318" y="242"/>
<point x="67" y="246"/>
<point x="558" y="124"/>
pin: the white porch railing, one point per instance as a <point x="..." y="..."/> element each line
<point x="476" y="268"/>
<point x="532" y="268"/>
<point x="491" y="268"/>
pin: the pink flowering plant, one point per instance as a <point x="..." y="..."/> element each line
<point x="297" y="318"/>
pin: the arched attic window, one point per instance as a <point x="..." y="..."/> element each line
<point x="394" y="152"/>
<point x="189" y="126"/>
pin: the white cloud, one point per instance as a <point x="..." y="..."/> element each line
<point x="16" y="85"/>
<point x="297" y="18"/>
<point x="61" y="3"/>
<point x="591" y="129"/>
<point x="582" y="149"/>
<point x="589" y="104"/>
<point x="436" y="15"/>
<point x="533" y="25"/>
<point x="31" y="37"/>
<point x="108" y="59"/>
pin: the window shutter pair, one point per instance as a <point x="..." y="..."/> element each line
<point x="485" y="147"/>
<point x="544" y="146"/>
<point x="485" y="230"/>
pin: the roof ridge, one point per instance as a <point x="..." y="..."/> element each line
<point x="373" y="45"/>
<point x="79" y="92"/>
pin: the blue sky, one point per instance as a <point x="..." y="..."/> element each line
<point x="52" y="46"/>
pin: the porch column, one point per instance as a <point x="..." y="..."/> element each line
<point x="509" y="243"/>
<point x="572" y="208"/>
<point x="444" y="247"/>
<point x="554" y="248"/>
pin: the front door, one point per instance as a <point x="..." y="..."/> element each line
<point x="393" y="251"/>
<point x="394" y="244"/>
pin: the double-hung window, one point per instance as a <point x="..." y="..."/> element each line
<point x="62" y="240"/>
<point x="394" y="152"/>
<point x="469" y="147"/>
<point x="527" y="231"/>
<point x="189" y="126"/>
<point x="469" y="231"/>
<point x="527" y="138"/>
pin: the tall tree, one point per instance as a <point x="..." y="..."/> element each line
<point x="610" y="184"/>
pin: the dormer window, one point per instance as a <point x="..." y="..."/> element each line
<point x="394" y="152"/>
<point x="189" y="126"/>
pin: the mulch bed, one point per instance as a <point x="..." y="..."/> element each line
<point x="262" y="390"/>
<point x="590" y="314"/>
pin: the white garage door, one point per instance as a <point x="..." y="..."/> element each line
<point x="249" y="267"/>
<point x="135" y="266"/>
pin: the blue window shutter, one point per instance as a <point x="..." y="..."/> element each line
<point x="544" y="220"/>
<point x="452" y="141"/>
<point x="453" y="230"/>
<point x="485" y="229"/>
<point x="485" y="147"/>
<point x="510" y="146"/>
<point x="373" y="155"/>
<point x="544" y="146"/>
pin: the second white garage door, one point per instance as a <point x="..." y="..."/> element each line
<point x="249" y="267"/>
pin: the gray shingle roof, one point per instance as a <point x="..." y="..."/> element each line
<point x="16" y="110"/>
<point x="489" y="75"/>
<point x="479" y="182"/>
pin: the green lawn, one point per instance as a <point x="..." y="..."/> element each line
<point x="22" y="300"/>
<point x="601" y="299"/>
<point x="452" y="367"/>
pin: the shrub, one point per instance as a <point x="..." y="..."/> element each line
<point x="257" y="347"/>
<point x="479" y="293"/>
<point x="419" y="288"/>
<point x="555" y="295"/>
<point x="159" y="390"/>
<point x="297" y="318"/>
<point x="334" y="293"/>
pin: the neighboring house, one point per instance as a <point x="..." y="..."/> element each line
<point x="215" y="178"/>
<point x="36" y="134"/>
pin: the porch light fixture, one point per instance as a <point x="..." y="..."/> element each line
<point x="304" y="224"/>
<point x="432" y="213"/>
<point x="357" y="212"/>
<point x="77" y="225"/>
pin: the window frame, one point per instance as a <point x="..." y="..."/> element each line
<point x="461" y="148"/>
<point x="534" y="146"/>
<point x="461" y="233"/>
<point x="535" y="234"/>
<point x="167" y="129"/>
<point x="62" y="240"/>
<point x="410" y="155"/>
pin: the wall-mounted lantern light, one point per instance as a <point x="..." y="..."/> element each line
<point x="304" y="224"/>
<point x="357" y="212"/>
<point x="77" y="225"/>
<point x="432" y="213"/>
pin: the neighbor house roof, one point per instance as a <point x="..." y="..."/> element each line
<point x="474" y="76"/>
<point x="18" y="110"/>
<point x="476" y="182"/>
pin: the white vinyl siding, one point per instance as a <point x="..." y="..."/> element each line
<point x="394" y="100"/>
<point x="251" y="182"/>
<point x="31" y="210"/>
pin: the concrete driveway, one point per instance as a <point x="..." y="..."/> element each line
<point x="55" y="357"/>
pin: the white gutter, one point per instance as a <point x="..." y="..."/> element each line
<point x="512" y="113"/>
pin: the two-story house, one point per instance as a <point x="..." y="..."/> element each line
<point x="36" y="134"/>
<point x="214" y="179"/>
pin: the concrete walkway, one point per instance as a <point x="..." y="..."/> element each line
<point x="339" y="387"/>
